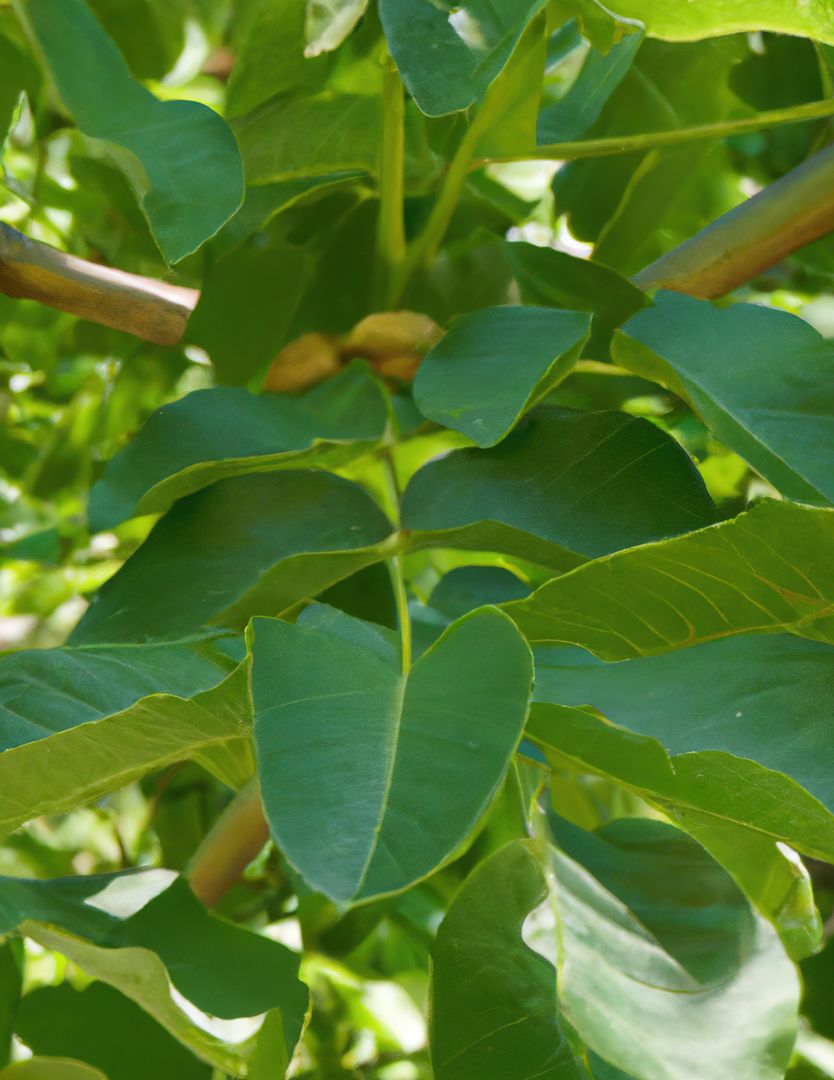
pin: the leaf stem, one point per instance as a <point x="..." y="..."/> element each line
<point x="229" y="846"/>
<point x="651" y="140"/>
<point x="395" y="565"/>
<point x="390" y="237"/>
<point x="424" y="247"/>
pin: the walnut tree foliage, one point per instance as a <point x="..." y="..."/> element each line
<point x="478" y="603"/>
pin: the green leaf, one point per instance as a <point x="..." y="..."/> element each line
<point x="179" y="156"/>
<point x="329" y="22"/>
<point x="246" y="306"/>
<point x="51" y="1069"/>
<point x="331" y="701"/>
<point x="769" y="873"/>
<point x="144" y="932"/>
<point x="494" y="365"/>
<point x="563" y="487"/>
<point x="448" y="60"/>
<point x="308" y="136"/>
<point x="494" y="1008"/>
<point x="210" y="435"/>
<point x="768" y="570"/>
<point x="79" y="722"/>
<point x="556" y="279"/>
<point x="11" y="983"/>
<point x="648" y="928"/>
<point x="758" y="377"/>
<point x="574" y="114"/>
<point x="751" y="707"/>
<point x="265" y="201"/>
<point x="456" y="594"/>
<point x="106" y="1029"/>
<point x="270" y="59"/>
<point x="244" y="546"/>
<point x="150" y="34"/>
<point x="689" y="22"/>
<point x="17" y="74"/>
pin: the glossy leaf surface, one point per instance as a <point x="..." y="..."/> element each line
<point x="136" y="931"/>
<point x="758" y="377"/>
<point x="213" y="434"/>
<point x="76" y="723"/>
<point x="329" y="694"/>
<point x="480" y="379"/>
<point x="265" y="542"/>
<point x="767" y="570"/>
<point x="563" y="487"/>
<point x="623" y="958"/>
<point x="179" y="156"/>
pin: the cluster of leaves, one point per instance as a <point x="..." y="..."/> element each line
<point x="528" y="651"/>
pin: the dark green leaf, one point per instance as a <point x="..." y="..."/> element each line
<point x="108" y="1030"/>
<point x="244" y="546"/>
<point x="767" y="570"/>
<point x="648" y="927"/>
<point x="570" y="118"/>
<point x="143" y="932"/>
<point x="494" y="365"/>
<point x="79" y="722"/>
<point x="179" y="156"/>
<point x="746" y="706"/>
<point x="330" y="700"/>
<point x="448" y="60"/>
<point x="758" y="377"/>
<point x="210" y="435"/>
<point x="564" y="486"/>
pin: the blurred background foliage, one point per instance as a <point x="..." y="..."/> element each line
<point x="298" y="258"/>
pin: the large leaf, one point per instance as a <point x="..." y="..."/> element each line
<point x="495" y="364"/>
<point x="564" y="487"/>
<point x="145" y="933"/>
<point x="768" y="570"/>
<point x="448" y="60"/>
<point x="310" y="135"/>
<point x="754" y="708"/>
<point x="212" y="434"/>
<point x="105" y="1028"/>
<point x="760" y="378"/>
<point x="247" y="545"/>
<point x="655" y="946"/>
<point x="494" y="1007"/>
<point x="689" y="22"/>
<point x="179" y="156"/>
<point x="76" y="723"/>
<point x="331" y="701"/>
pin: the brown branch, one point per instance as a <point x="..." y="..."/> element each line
<point x="234" y="840"/>
<point x="787" y="215"/>
<point x="141" y="306"/>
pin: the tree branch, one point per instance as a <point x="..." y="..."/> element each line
<point x="141" y="306"/>
<point x="787" y="215"/>
<point x="230" y="845"/>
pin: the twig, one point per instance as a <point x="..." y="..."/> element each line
<point x="230" y="845"/>
<point x="141" y="306"/>
<point x="788" y="214"/>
